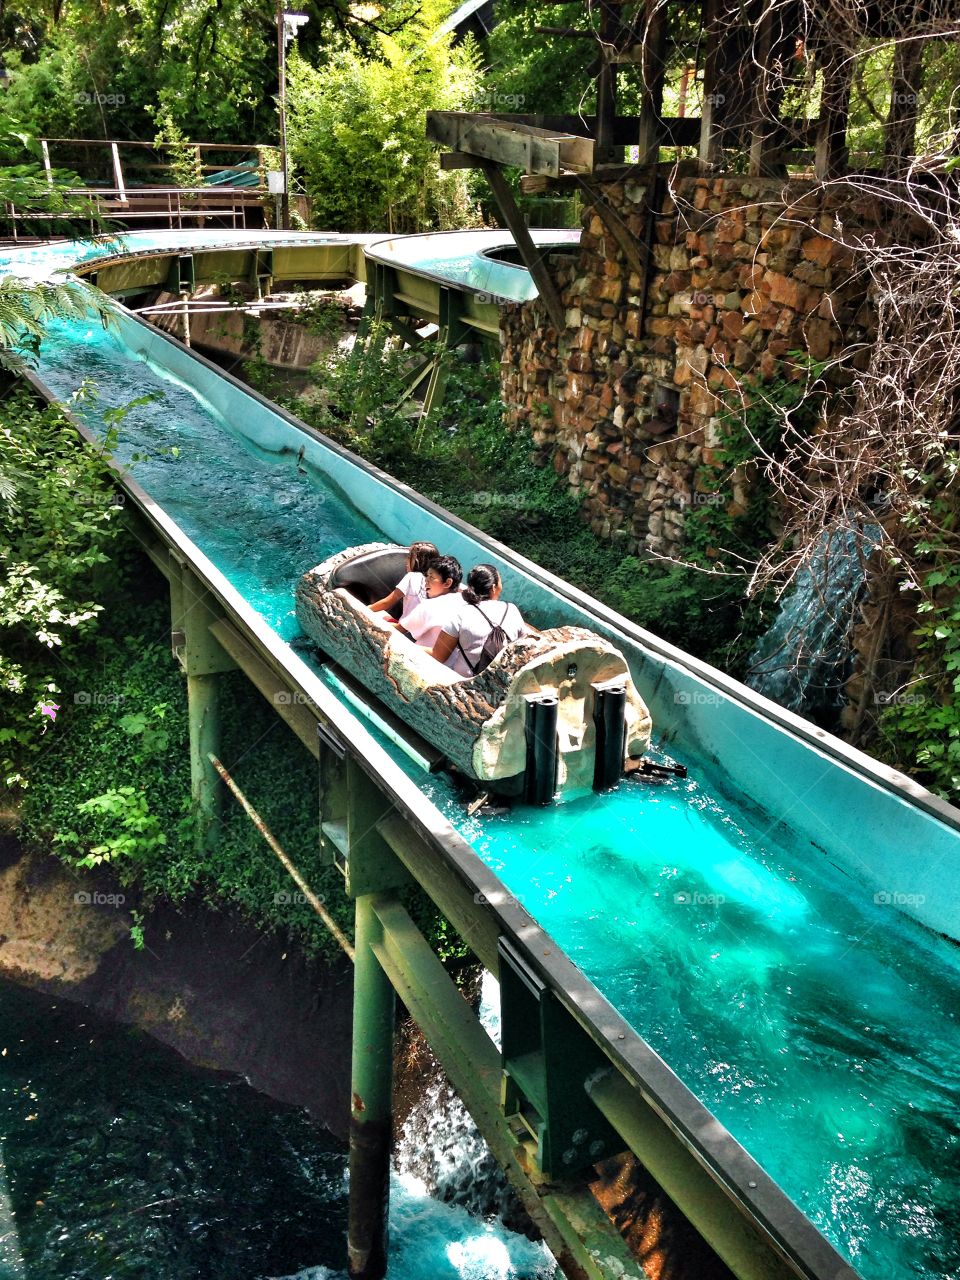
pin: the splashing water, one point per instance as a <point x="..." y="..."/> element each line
<point x="802" y="661"/>
<point x="441" y="1150"/>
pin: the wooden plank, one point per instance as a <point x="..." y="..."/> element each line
<point x="506" y="142"/>
<point x="457" y="160"/>
<point x="533" y="260"/>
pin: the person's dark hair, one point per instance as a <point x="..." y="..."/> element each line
<point x="448" y="567"/>
<point x="482" y="581"/>
<point x="422" y="556"/>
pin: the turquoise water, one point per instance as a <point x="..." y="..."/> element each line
<point x="120" y="1161"/>
<point x="819" y="1025"/>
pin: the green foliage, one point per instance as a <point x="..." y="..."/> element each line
<point x="357" y="129"/>
<point x="114" y="789"/>
<point x="45" y="206"/>
<point x="26" y="310"/>
<point x="58" y="520"/>
<point x="185" y="168"/>
<point x="135" y="831"/>
<point x="920" y="732"/>
<point x="728" y="524"/>
<point x="107" y="71"/>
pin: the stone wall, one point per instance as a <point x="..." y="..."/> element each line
<point x="625" y="400"/>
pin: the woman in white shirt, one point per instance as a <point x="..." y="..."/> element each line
<point x="461" y="640"/>
<point x="442" y="605"/>
<point x="412" y="587"/>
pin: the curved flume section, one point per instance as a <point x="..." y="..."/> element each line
<point x="770" y="925"/>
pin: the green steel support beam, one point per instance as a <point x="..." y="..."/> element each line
<point x="203" y="710"/>
<point x="475" y="925"/>
<point x="193" y="611"/>
<point x="585" y="1243"/>
<point x="695" y="1193"/>
<point x="371" y="1129"/>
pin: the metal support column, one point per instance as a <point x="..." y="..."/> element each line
<point x="203" y="707"/>
<point x="371" y="1128"/>
<point x="193" y="611"/>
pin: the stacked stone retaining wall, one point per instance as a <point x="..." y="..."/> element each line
<point x="626" y="401"/>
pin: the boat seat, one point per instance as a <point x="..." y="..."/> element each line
<point x="372" y="576"/>
<point x="406" y="660"/>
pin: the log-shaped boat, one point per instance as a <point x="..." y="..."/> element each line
<point x="554" y="712"/>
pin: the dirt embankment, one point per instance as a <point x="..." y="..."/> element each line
<point x="221" y="993"/>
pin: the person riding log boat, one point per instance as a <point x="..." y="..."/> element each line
<point x="553" y="710"/>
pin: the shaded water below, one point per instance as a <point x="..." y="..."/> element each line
<point x="119" y="1160"/>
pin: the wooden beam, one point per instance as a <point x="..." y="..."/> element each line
<point x="611" y="29"/>
<point x="901" y="128"/>
<point x="831" y="145"/>
<point x="629" y="245"/>
<point x="457" y="160"/>
<point x="653" y="72"/>
<point x="533" y="259"/>
<point x="506" y="142"/>
<point x="709" y="133"/>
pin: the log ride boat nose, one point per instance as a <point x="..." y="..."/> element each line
<point x="555" y="712"/>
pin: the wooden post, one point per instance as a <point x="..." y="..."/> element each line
<point x="610" y="29"/>
<point x="118" y="173"/>
<point x="709" y="133"/>
<point x="761" y="126"/>
<point x="901" y="127"/>
<point x="371" y="1127"/>
<point x="532" y="258"/>
<point x="831" y="149"/>
<point x="652" y="71"/>
<point x="46" y="161"/>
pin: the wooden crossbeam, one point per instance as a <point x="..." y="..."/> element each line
<point x="506" y="142"/>
<point x="533" y="259"/>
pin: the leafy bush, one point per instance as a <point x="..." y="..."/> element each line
<point x="58" y="520"/>
<point x="357" y="130"/>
